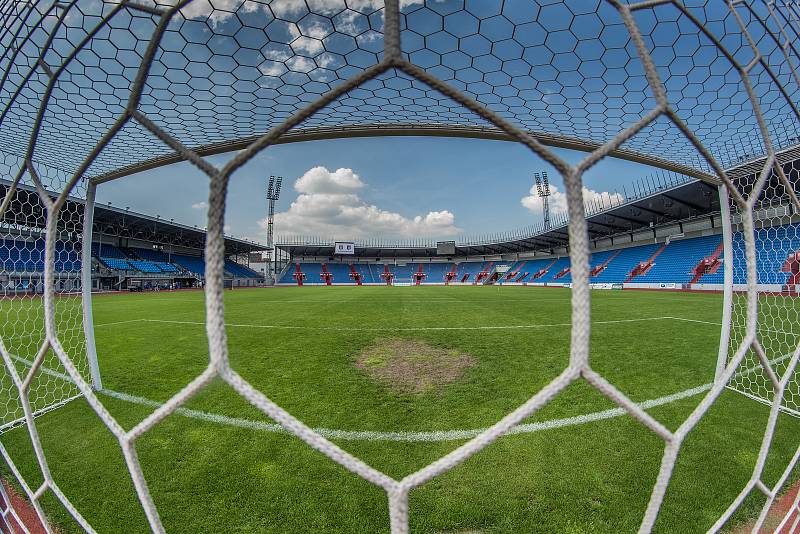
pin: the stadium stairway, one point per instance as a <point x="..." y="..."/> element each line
<point x="645" y="266"/>
<point x="451" y="274"/>
<point x="628" y="258"/>
<point x="298" y="274"/>
<point x="484" y="272"/>
<point x="468" y="270"/>
<point x="355" y="275"/>
<point x="420" y="275"/>
<point x="709" y="264"/>
<point x="513" y="271"/>
<point x="326" y="276"/>
<point x="792" y="266"/>
<point x="562" y="273"/>
<point x="387" y="275"/>
<point x="554" y="269"/>
<point x="542" y="268"/>
<point x="601" y="261"/>
<point x="368" y="275"/>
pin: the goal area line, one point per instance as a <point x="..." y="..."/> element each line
<point x="405" y="329"/>
<point x="401" y="436"/>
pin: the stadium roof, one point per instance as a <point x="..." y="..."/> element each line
<point x="113" y="221"/>
<point x="682" y="202"/>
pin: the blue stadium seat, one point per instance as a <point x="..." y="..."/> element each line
<point x="118" y="264"/>
<point x="103" y="250"/>
<point x="240" y="271"/>
<point x="193" y="264"/>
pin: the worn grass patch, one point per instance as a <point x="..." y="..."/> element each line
<point x="412" y="366"/>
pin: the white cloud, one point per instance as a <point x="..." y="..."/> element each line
<point x="288" y="9"/>
<point x="307" y="46"/>
<point x="301" y="64"/>
<point x="558" y="200"/>
<point x="328" y="205"/>
<point x="200" y="205"/>
<point x="269" y="68"/>
<point x="200" y="9"/>
<point x="321" y="180"/>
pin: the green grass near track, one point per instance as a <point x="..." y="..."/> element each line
<point x="594" y="477"/>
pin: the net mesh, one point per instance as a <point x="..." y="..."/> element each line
<point x="776" y="246"/>
<point x="22" y="260"/>
<point x="708" y="84"/>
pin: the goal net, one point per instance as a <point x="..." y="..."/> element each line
<point x="96" y="90"/>
<point x="777" y="280"/>
<point x="24" y="311"/>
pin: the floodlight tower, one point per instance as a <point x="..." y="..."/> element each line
<point x="543" y="190"/>
<point x="273" y="193"/>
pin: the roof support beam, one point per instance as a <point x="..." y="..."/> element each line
<point x="696" y="207"/>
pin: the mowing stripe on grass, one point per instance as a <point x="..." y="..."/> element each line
<point x="430" y="436"/>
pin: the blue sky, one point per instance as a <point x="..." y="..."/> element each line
<point x="387" y="186"/>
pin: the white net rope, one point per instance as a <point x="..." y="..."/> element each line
<point x="36" y="83"/>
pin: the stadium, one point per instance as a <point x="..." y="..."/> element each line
<point x="421" y="339"/>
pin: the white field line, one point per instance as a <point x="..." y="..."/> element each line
<point x="430" y="436"/>
<point x="42" y="368"/>
<point x="407" y="436"/>
<point x="396" y="329"/>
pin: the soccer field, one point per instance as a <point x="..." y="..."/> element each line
<point x="399" y="376"/>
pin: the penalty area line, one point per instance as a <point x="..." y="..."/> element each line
<point x="409" y="436"/>
<point x="402" y="329"/>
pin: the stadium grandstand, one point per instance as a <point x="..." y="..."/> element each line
<point x="666" y="237"/>
<point x="130" y="251"/>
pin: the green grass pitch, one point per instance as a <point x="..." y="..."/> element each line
<point x="300" y="345"/>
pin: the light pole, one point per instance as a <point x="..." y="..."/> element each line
<point x="273" y="193"/>
<point x="543" y="190"/>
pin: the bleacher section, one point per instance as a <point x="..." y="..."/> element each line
<point x="240" y="271"/>
<point x="531" y="268"/>
<point x="675" y="263"/>
<point x="193" y="264"/>
<point x="118" y="264"/>
<point x="102" y="250"/>
<point x="555" y="268"/>
<point x="435" y="272"/>
<point x="696" y="260"/>
<point x="167" y="267"/>
<point x="144" y="266"/>
<point x="22" y="255"/>
<point x="140" y="260"/>
<point x="628" y="258"/>
<point x="467" y="271"/>
<point x="773" y="246"/>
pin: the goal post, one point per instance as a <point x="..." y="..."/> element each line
<point x="727" y="298"/>
<point x="86" y="287"/>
